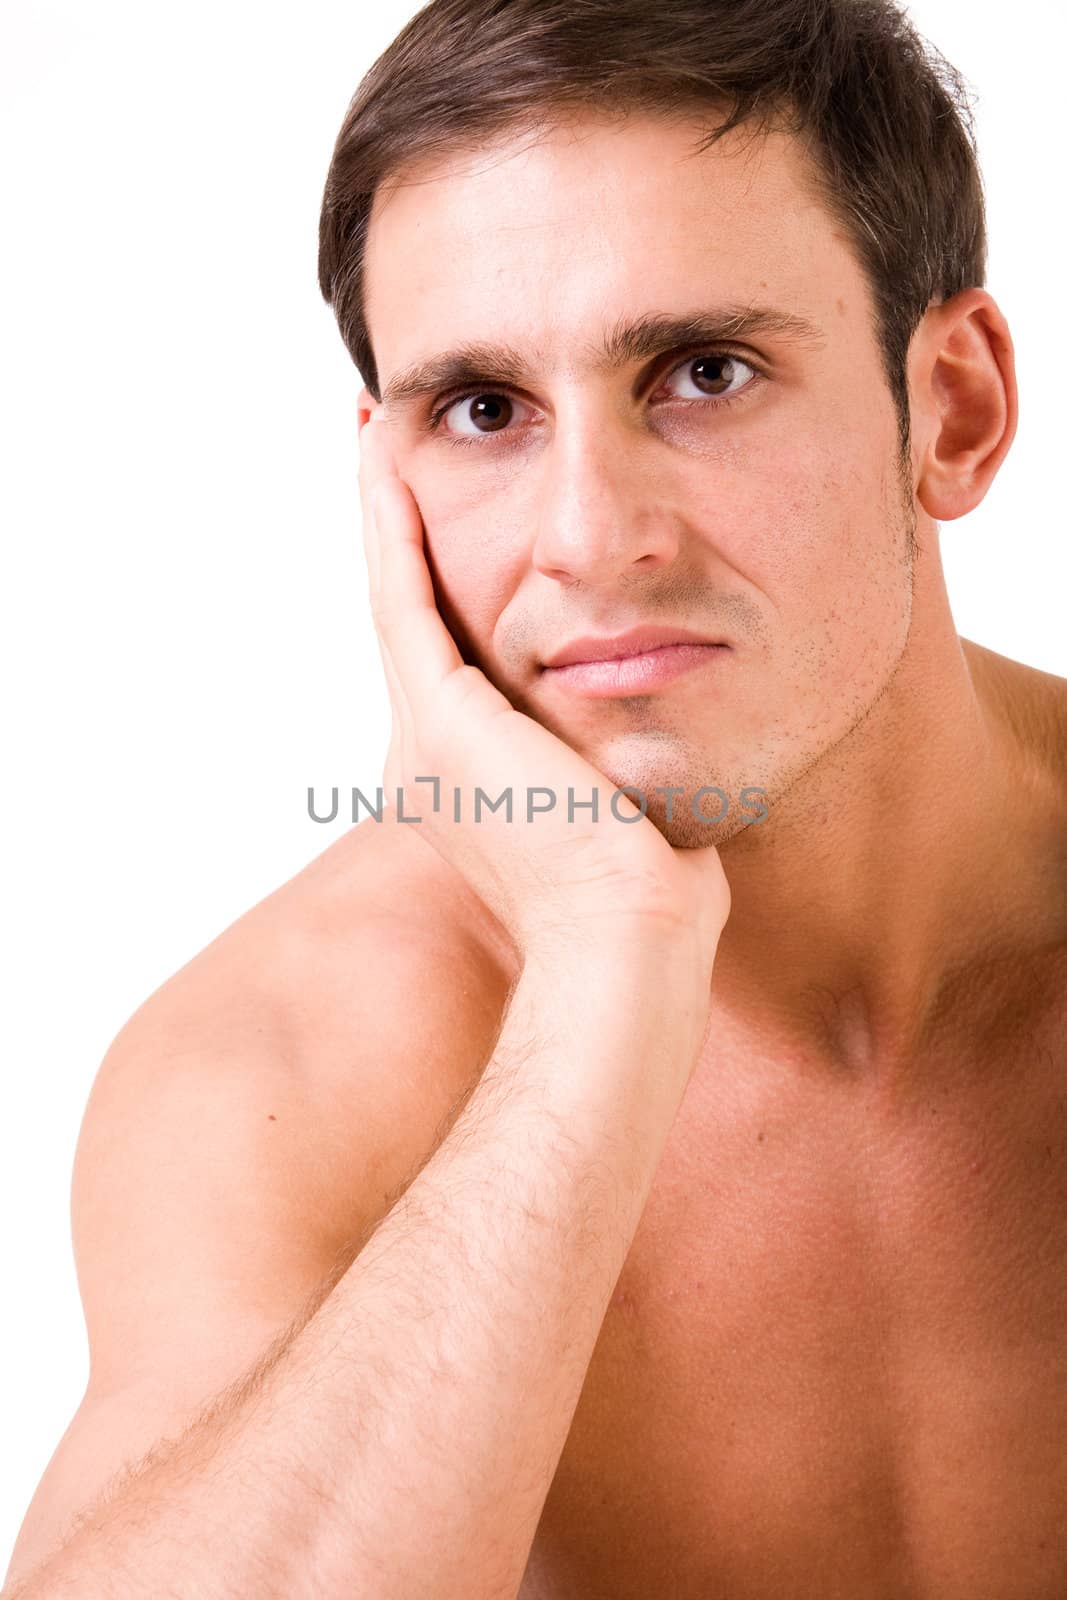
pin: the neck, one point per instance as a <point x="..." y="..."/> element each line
<point x="907" y="855"/>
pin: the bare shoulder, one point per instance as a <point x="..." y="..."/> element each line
<point x="1030" y="707"/>
<point x="292" y="963"/>
<point x="1033" y="705"/>
<point x="249" y="1125"/>
<point x="317" y="1047"/>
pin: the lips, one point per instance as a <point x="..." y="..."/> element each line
<point x="643" y="674"/>
<point x="617" y="647"/>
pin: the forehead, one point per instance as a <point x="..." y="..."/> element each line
<point x="543" y="238"/>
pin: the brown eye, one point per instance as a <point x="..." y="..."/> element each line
<point x="713" y="373"/>
<point x="494" y="410"/>
<point x="713" y="376"/>
<point x="475" y="414"/>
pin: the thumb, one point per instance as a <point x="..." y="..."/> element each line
<point x="709" y="888"/>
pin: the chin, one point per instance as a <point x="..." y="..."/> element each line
<point x="685" y="832"/>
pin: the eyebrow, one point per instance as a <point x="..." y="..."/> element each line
<point x="653" y="334"/>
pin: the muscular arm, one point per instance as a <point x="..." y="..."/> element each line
<point x="403" y="1440"/>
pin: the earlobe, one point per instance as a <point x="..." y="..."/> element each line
<point x="968" y="401"/>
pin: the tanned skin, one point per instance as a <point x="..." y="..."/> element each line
<point x="638" y="1209"/>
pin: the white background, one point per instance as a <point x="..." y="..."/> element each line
<point x="184" y="624"/>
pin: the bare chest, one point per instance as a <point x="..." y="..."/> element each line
<point x="835" y="1362"/>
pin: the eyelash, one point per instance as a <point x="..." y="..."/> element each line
<point x="444" y="406"/>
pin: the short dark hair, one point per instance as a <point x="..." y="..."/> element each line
<point x="885" y="118"/>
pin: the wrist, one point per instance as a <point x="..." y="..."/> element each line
<point x="633" y="956"/>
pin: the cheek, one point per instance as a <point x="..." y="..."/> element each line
<point x="475" y="565"/>
<point x="802" y="524"/>
<point x="467" y="509"/>
<point x="817" y="536"/>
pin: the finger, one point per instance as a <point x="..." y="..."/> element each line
<point x="376" y="457"/>
<point x="402" y="746"/>
<point x="402" y="738"/>
<point x="422" y="651"/>
<point x="376" y="461"/>
<point x="401" y="730"/>
<point x="370" y="471"/>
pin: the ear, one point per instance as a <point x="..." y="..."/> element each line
<point x="964" y="402"/>
<point x="366" y="405"/>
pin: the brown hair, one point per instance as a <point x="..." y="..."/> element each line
<point x="885" y="118"/>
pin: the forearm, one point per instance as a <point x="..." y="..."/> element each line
<point x="404" y="1441"/>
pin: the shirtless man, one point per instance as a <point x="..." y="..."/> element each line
<point x="635" y="1206"/>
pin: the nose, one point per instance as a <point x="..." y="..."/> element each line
<point x="602" y="515"/>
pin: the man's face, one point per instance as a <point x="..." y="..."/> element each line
<point x="747" y="490"/>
